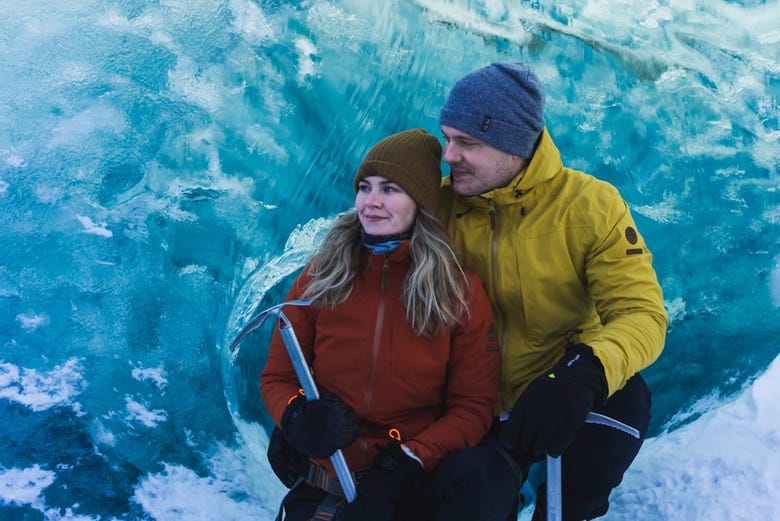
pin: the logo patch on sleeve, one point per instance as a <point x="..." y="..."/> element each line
<point x="631" y="235"/>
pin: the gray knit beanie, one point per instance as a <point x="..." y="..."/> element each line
<point x="501" y="104"/>
<point x="412" y="160"/>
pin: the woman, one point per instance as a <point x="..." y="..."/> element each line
<point x="400" y="341"/>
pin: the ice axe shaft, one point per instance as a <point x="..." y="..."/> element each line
<point x="304" y="377"/>
<point x="554" y="496"/>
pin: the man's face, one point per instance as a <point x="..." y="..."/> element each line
<point x="475" y="166"/>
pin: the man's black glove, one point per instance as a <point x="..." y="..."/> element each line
<point x="318" y="428"/>
<point x="392" y="479"/>
<point x="546" y="417"/>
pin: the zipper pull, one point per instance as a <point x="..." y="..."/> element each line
<point x="385" y="273"/>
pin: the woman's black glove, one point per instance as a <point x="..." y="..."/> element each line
<point x="393" y="478"/>
<point x="287" y="463"/>
<point x="318" y="428"/>
<point x="548" y="414"/>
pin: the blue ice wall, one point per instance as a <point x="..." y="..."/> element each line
<point x="166" y="166"/>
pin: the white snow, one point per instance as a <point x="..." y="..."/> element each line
<point x="724" y="466"/>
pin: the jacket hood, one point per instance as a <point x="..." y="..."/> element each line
<point x="545" y="164"/>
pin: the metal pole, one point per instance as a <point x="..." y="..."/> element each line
<point x="310" y="389"/>
<point x="554" y="494"/>
<point x="554" y="499"/>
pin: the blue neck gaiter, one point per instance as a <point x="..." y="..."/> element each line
<point x="384" y="243"/>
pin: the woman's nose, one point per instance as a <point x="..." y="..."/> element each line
<point x="374" y="198"/>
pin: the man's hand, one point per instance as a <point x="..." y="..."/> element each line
<point x="547" y="416"/>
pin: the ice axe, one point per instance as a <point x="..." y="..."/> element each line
<point x="554" y="497"/>
<point x="304" y="377"/>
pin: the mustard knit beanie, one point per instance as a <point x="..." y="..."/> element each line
<point x="412" y="160"/>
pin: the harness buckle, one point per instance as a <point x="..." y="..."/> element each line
<point x="318" y="477"/>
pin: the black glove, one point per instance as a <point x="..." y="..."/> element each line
<point x="546" y="417"/>
<point x="287" y="463"/>
<point x="318" y="428"/>
<point x="393" y="478"/>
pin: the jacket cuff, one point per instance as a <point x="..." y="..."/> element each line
<point x="422" y="454"/>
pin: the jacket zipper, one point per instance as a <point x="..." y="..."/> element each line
<point x="380" y="316"/>
<point x="502" y="406"/>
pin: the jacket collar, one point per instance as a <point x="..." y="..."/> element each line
<point x="544" y="165"/>
<point x="400" y="254"/>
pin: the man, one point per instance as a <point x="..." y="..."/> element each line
<point x="576" y="300"/>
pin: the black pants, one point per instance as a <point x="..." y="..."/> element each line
<point x="592" y="466"/>
<point x="479" y="484"/>
<point x="468" y="485"/>
<point x="598" y="457"/>
<point x="472" y="484"/>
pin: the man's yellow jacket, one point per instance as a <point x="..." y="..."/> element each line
<point x="561" y="258"/>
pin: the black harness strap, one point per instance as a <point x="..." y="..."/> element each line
<point x="317" y="477"/>
<point x="328" y="508"/>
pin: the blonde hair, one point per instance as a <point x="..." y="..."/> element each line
<point x="435" y="291"/>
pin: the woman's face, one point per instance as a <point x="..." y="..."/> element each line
<point x="383" y="207"/>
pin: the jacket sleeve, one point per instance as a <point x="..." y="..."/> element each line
<point x="626" y="294"/>
<point x="472" y="385"/>
<point x="278" y="381"/>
